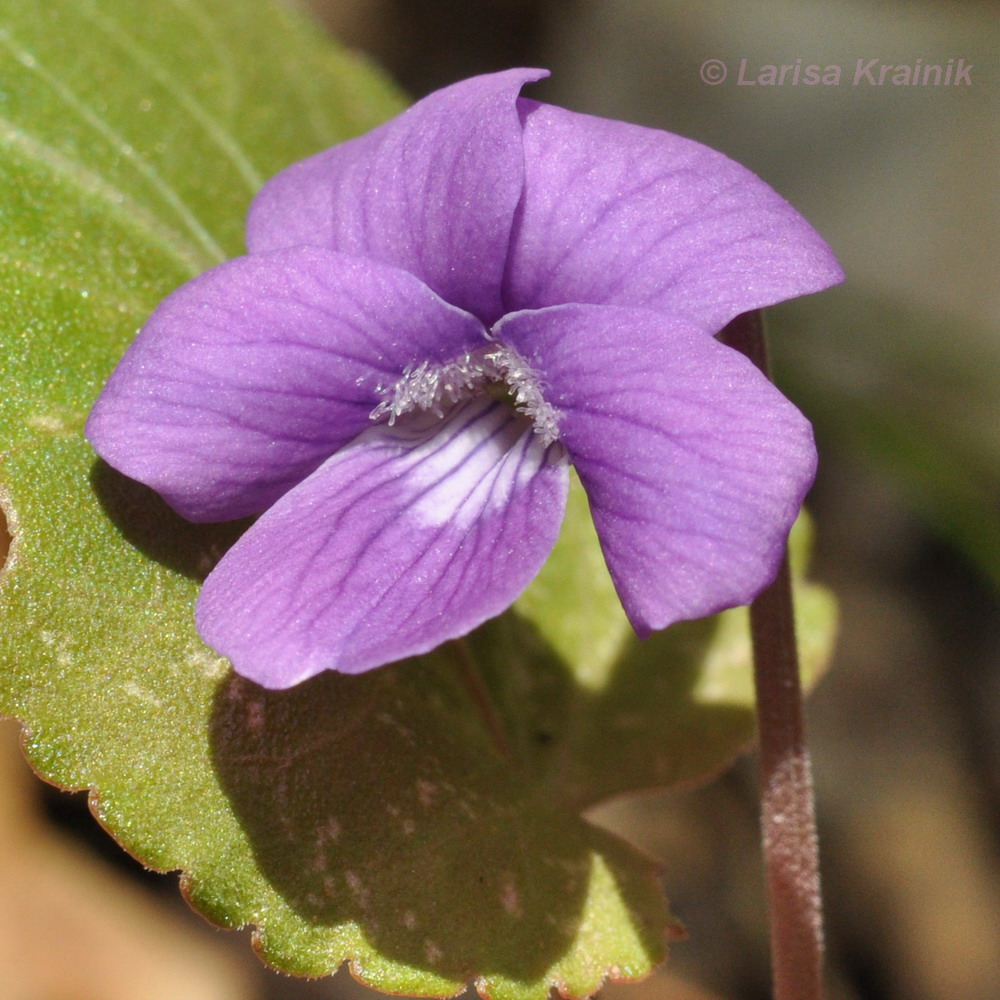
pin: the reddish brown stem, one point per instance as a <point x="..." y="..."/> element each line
<point x="788" y="816"/>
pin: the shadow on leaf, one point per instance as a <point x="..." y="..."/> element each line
<point x="384" y="802"/>
<point x="148" y="523"/>
<point x="380" y="800"/>
<point x="672" y="710"/>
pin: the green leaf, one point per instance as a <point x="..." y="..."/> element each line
<point x="599" y="714"/>
<point x="422" y="822"/>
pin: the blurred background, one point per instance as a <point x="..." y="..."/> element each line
<point x="899" y="370"/>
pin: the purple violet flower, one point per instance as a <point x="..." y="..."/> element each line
<point x="342" y="379"/>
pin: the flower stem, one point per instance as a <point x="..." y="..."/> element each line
<point x="788" y="816"/>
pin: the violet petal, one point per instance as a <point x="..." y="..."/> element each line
<point x="695" y="465"/>
<point x="250" y="376"/>
<point x="412" y="535"/>
<point x="432" y="191"/>
<point x="618" y="214"/>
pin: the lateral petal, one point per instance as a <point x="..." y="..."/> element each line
<point x="250" y="376"/>
<point x="411" y="535"/>
<point x="618" y="214"/>
<point x="695" y="465"/>
<point x="432" y="191"/>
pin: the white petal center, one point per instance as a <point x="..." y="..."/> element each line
<point x="469" y="462"/>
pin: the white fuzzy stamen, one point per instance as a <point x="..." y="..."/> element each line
<point x="430" y="387"/>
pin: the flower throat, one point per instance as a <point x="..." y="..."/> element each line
<point x="496" y="370"/>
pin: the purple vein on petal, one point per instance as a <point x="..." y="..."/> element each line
<point x="694" y="465"/>
<point x="411" y="535"/>
<point x="247" y="379"/>
<point x="618" y="214"/>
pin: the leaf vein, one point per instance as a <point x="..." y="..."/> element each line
<point x="118" y="143"/>
<point x="119" y="202"/>
<point x="188" y="102"/>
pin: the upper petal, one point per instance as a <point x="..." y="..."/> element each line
<point x="412" y="535"/>
<point x="694" y="464"/>
<point x="432" y="191"/>
<point x="247" y="378"/>
<point x="619" y="214"/>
